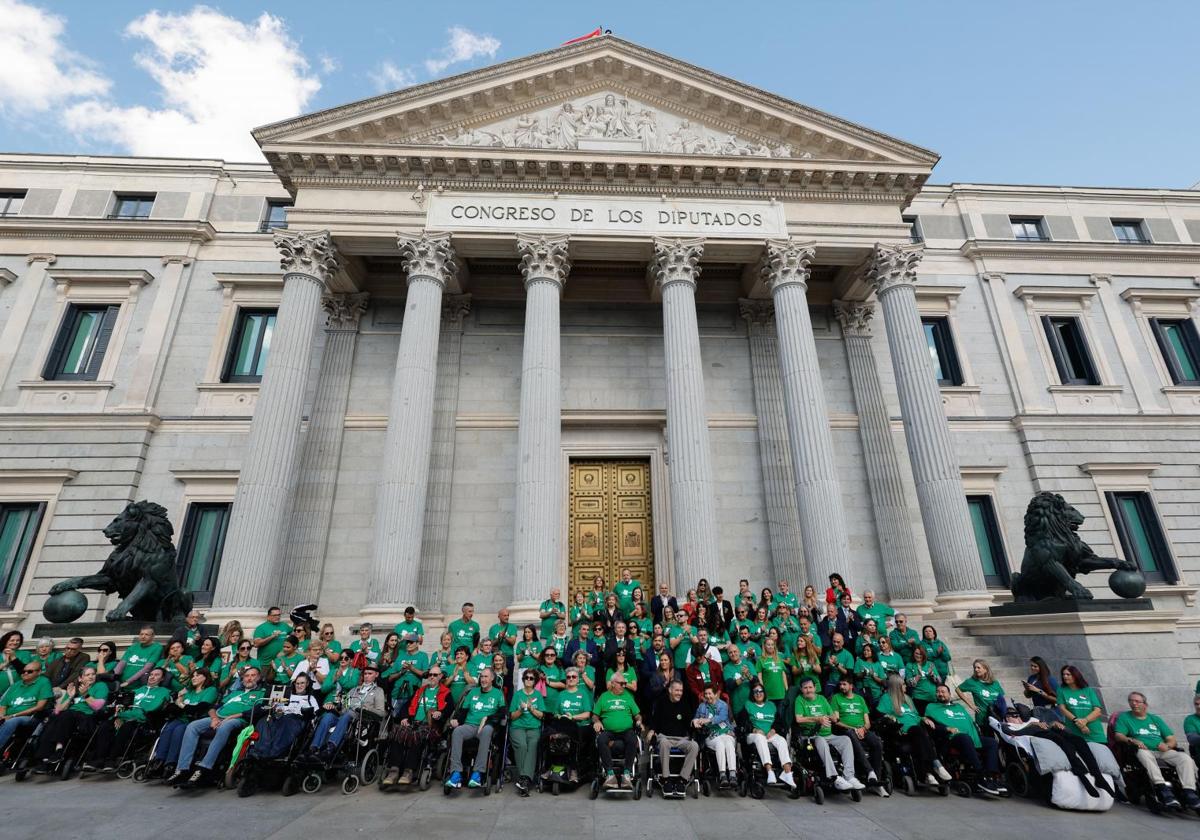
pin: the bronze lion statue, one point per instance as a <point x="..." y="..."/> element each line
<point x="141" y="568"/>
<point x="1054" y="553"/>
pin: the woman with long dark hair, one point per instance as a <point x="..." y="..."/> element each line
<point x="191" y="703"/>
<point x="896" y="705"/>
<point x="210" y="655"/>
<point x="1042" y="689"/>
<point x="837" y="588"/>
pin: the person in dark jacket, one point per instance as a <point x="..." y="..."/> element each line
<point x="585" y="642"/>
<point x="618" y="639"/>
<point x="670" y="728"/>
<point x="67" y="668"/>
<point x="664" y="598"/>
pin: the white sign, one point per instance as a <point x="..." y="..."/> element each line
<point x="592" y="216"/>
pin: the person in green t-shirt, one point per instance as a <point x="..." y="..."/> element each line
<point x="139" y="658"/>
<point x="784" y="597"/>
<point x="921" y="679"/>
<point x="623" y="589"/>
<point x="1080" y="707"/>
<point x="837" y="662"/>
<point x="285" y="662"/>
<point x="616" y="717"/>
<point x="1154" y="743"/>
<point x="570" y="716"/>
<point x="407" y="671"/>
<point x="503" y="634"/>
<point x="269" y="636"/>
<point x="958" y="726"/>
<point x="773" y="671"/>
<point x="177" y="664"/>
<point x="75" y="714"/>
<point x="739" y="673"/>
<point x="870" y="675"/>
<point x="871" y="608"/>
<point x="981" y="692"/>
<point x="481" y="659"/>
<point x="895" y="705"/>
<point x="366" y="644"/>
<point x="1191" y="728"/>
<point x="526" y="711"/>
<point x="903" y="638"/>
<point x="476" y="718"/>
<point x="814" y="719"/>
<point x="551" y="611"/>
<point x="749" y="648"/>
<point x="854" y="721"/>
<point x="225" y="720"/>
<point x="464" y="631"/>
<point x="892" y="662"/>
<point x="113" y="736"/>
<point x="936" y="650"/>
<point x="680" y="637"/>
<point x="578" y="615"/>
<point x="761" y="734"/>
<point x="410" y="626"/>
<point x="341" y="678"/>
<point x="23" y="701"/>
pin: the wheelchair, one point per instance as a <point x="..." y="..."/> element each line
<point x="63" y="766"/>
<point x="558" y="755"/>
<point x="753" y="782"/>
<point x="357" y="761"/>
<point x="19" y="751"/>
<point x="134" y="759"/>
<point x="808" y="769"/>
<point x="655" y="772"/>
<point x="253" y="770"/>
<point x="435" y="756"/>
<point x="898" y="763"/>
<point x="964" y="780"/>
<point x="709" y="775"/>
<point x="1138" y="787"/>
<point x="640" y="768"/>
<point x="497" y="759"/>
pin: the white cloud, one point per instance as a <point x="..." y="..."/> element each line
<point x="390" y="77"/>
<point x="218" y="78"/>
<point x="39" y="71"/>
<point x="329" y="64"/>
<point x="463" y="45"/>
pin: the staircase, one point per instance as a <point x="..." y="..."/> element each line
<point x="965" y="648"/>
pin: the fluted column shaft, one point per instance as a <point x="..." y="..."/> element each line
<point x="783" y="520"/>
<point x="818" y="493"/>
<point x="693" y="510"/>
<point x="538" y="526"/>
<point x="901" y="561"/>
<point x="952" y="548"/>
<point x="404" y="476"/>
<point x="312" y="512"/>
<point x="250" y="574"/>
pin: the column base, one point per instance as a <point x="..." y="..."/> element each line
<point x="249" y="618"/>
<point x="960" y="604"/>
<point x="525" y="612"/>
<point x="913" y="607"/>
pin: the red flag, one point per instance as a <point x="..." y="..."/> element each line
<point x="593" y="34"/>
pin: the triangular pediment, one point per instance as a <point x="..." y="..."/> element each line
<point x="604" y="96"/>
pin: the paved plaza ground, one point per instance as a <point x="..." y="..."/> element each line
<point x="110" y="808"/>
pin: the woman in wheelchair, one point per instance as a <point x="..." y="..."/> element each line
<point x="957" y="726"/>
<point x="74" y="714"/>
<point x="115" y="734"/>
<point x="815" y="719"/>
<point x="572" y="711"/>
<point x="896" y="706"/>
<point x="713" y="720"/>
<point x="761" y="734"/>
<point x="420" y="725"/>
<point x="288" y="716"/>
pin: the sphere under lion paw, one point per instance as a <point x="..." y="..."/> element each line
<point x="1127" y="583"/>
<point x="65" y="607"/>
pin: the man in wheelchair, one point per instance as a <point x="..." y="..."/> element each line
<point x="475" y="719"/>
<point x="616" y="717"/>
<point x="955" y="728"/>
<point x="670" y="723"/>
<point x="815" y="719"/>
<point x="1154" y="745"/>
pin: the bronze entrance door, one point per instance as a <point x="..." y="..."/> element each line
<point x="610" y="524"/>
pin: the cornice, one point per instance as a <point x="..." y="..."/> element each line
<point x="1014" y="249"/>
<point x="58" y="227"/>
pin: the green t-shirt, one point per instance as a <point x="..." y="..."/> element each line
<point x="1080" y="702"/>
<point x="457" y="683"/>
<point x="547" y="625"/>
<point x="414" y="627"/>
<point x="97" y="691"/>
<point x="176" y="679"/>
<point x="527" y="653"/>
<point x="761" y="716"/>
<point x="595" y="601"/>
<point x="939" y="654"/>
<point x="408" y="679"/>
<point x="480" y="704"/>
<point x="500" y="634"/>
<point x="284" y="665"/>
<point x="789" y="631"/>
<point x="687" y="636"/>
<point x="852" y="710"/>
<point x="843" y="658"/>
<point x="790" y="600"/>
<point x="906" y="715"/>
<point x="477" y="663"/>
<point x="624" y="593"/>
<point x="954" y="716"/>
<point x="813" y="708"/>
<point x="463" y="634"/>
<point x="192" y="697"/>
<point x="145" y="700"/>
<point x="903" y="643"/>
<point x="239" y="665"/>
<point x="984" y="694"/>
<point x="191" y="641"/>
<point x="773" y="672"/>
<point x="348" y="680"/>
<point x="137" y="656"/>
<point x="1191" y="725"/>
<point x="616" y="713"/>
<point x="880" y="612"/>
<point x="239" y="702"/>
<point x="21" y="698"/>
<point x="921" y="681"/>
<point x="527" y="720"/>
<point x="574" y="702"/>
<point x="370" y="649"/>
<point x="578" y="615"/>
<point x="893" y="663"/>
<point x="866" y="674"/>
<point x="556" y="673"/>
<point x="1151" y="730"/>
<point x="427" y="704"/>
<point x="738" y="678"/>
<point x="749" y="650"/>
<point x="263" y="631"/>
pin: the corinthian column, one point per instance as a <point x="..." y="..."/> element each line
<point x="783" y="521"/>
<point x="956" y="567"/>
<point x="544" y="265"/>
<point x="400" y="502"/>
<point x="675" y="270"/>
<point x="818" y="495"/>
<point x="249" y="578"/>
<point x="313" y="508"/>
<point x="901" y="563"/>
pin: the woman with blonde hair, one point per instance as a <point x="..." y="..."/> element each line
<point x="895" y="705"/>
<point x="981" y="692"/>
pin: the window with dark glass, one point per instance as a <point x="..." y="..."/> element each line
<point x="1070" y="351"/>
<point x="276" y="215"/>
<point x="131" y="206"/>
<point x="941" y="351"/>
<point x="11" y="203"/>
<point x="247" y="358"/>
<point x="1141" y="535"/>
<point x="1028" y="228"/>
<point x="201" y="546"/>
<point x="914" y="229"/>
<point x="987" y="539"/>
<point x="19" y="523"/>
<point x="1180" y="347"/>
<point x="1130" y="231"/>
<point x="82" y="340"/>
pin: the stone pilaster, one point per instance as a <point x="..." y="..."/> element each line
<point x="250" y="573"/>
<point x="675" y="269"/>
<point x="901" y="561"/>
<point x="436" y="539"/>
<point x="545" y="264"/>
<point x="818" y="494"/>
<point x="312" y="510"/>
<point x="892" y="274"/>
<point x="783" y="520"/>
<point x="429" y="263"/>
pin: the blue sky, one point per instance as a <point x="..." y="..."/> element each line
<point x="1052" y="92"/>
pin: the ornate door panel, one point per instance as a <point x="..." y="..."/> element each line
<point x="610" y="523"/>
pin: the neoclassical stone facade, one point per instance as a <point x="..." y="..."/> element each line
<point x="596" y="255"/>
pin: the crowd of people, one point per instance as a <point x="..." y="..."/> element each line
<point x="606" y="667"/>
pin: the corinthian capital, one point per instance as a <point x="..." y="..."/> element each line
<point x="429" y="256"/>
<point x="854" y="316"/>
<point x="543" y="258"/>
<point x="893" y="265"/>
<point x="676" y="261"/>
<point x="343" y="311"/>
<point x="311" y="253"/>
<point x="759" y="313"/>
<point x="785" y="262"/>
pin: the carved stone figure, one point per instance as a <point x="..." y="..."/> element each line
<point x="1054" y="553"/>
<point x="141" y="568"/>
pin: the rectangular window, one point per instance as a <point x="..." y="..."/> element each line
<point x="1180" y="348"/>
<point x="247" y="358"/>
<point x="987" y="539"/>
<point x="201" y="546"/>
<point x="914" y="229"/>
<point x="131" y="206"/>
<point x="1141" y="535"/>
<point x="941" y="351"/>
<point x="11" y="203"/>
<point x="19" y="523"/>
<point x="1070" y="350"/>
<point x="276" y="215"/>
<point x="1130" y="231"/>
<point x="1028" y="229"/>
<point x="82" y="340"/>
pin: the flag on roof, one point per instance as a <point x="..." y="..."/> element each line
<point x="593" y="34"/>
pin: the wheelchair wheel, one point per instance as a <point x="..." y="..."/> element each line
<point x="139" y="775"/>
<point x="290" y="786"/>
<point x="349" y="785"/>
<point x="67" y="768"/>
<point x="425" y="779"/>
<point x="637" y="789"/>
<point x="594" y="790"/>
<point x="312" y="782"/>
<point x="246" y="786"/>
<point x="368" y="766"/>
<point x="856" y="795"/>
<point x="818" y="794"/>
<point x="961" y="789"/>
<point x="1017" y="778"/>
<point x="126" y="769"/>
<point x="943" y="789"/>
<point x="910" y="786"/>
<point x="706" y="787"/>
<point x="695" y="789"/>
<point x="758" y="790"/>
<point x="555" y="788"/>
<point x="235" y="774"/>
<point x="889" y="782"/>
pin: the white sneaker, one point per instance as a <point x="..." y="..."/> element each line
<point x="771" y="777"/>
<point x="942" y="772"/>
<point x="787" y="779"/>
<point x="882" y="791"/>
<point x="856" y="784"/>
<point x="871" y="777"/>
<point x="842" y="784"/>
<point x="931" y="780"/>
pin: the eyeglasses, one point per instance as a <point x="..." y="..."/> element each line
<point x="527" y="678"/>
<point x="31" y="671"/>
<point x="243" y="647"/>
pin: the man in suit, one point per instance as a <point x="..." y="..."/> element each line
<point x="853" y="624"/>
<point x="619" y="639"/>
<point x="585" y="642"/>
<point x="721" y="611"/>
<point x="69" y="665"/>
<point x="664" y="598"/>
<point x="831" y="623"/>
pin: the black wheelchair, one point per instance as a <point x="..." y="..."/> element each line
<point x="564" y="760"/>
<point x="636" y="785"/>
<point x="356" y="761"/>
<point x="493" y="777"/>
<point x="808" y="769"/>
<point x="898" y="760"/>
<point x="656" y="773"/>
